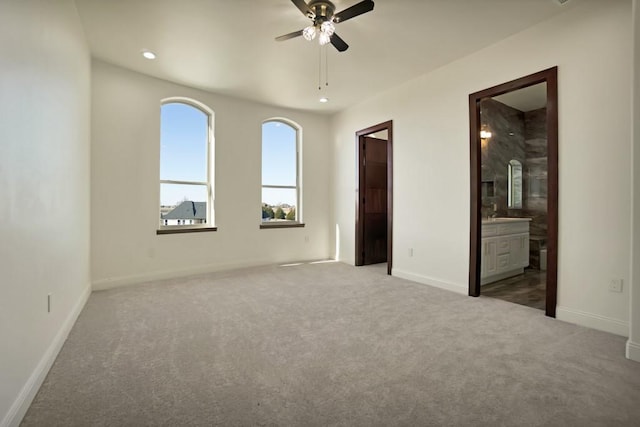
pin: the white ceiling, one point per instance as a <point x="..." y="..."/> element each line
<point x="228" y="46"/>
<point x="526" y="99"/>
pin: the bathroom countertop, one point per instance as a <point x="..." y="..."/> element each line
<point x="503" y="220"/>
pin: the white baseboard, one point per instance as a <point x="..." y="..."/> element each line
<point x="436" y="283"/>
<point x="20" y="406"/>
<point x="594" y="321"/>
<point x="633" y="351"/>
<point x="116" y="282"/>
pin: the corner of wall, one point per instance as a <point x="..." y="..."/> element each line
<point x="633" y="344"/>
<point x="594" y="321"/>
<point x="20" y="406"/>
<point x="430" y="281"/>
<point x="633" y="351"/>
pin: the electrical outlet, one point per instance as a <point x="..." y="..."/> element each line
<point x="615" y="285"/>
<point x="306" y="239"/>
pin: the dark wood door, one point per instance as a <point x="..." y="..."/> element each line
<point x="374" y="200"/>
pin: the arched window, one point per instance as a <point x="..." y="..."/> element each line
<point x="281" y="141"/>
<point x="186" y="164"/>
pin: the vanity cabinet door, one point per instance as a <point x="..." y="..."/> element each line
<point x="519" y="248"/>
<point x="489" y="265"/>
<point x="524" y="256"/>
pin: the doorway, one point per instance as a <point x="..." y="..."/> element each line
<point x="480" y="186"/>
<point x="374" y="200"/>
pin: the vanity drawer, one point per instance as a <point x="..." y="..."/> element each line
<point x="513" y="228"/>
<point x="489" y="230"/>
<point x="504" y="263"/>
<point x="503" y="245"/>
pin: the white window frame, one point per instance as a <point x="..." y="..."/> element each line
<point x="209" y="184"/>
<point x="298" y="187"/>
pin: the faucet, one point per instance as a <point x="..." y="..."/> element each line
<point x="494" y="212"/>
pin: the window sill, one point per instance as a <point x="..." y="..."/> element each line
<point x="185" y="230"/>
<point x="282" y="225"/>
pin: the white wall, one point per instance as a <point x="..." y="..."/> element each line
<point x="591" y="45"/>
<point x="44" y="183"/>
<point x="633" y="344"/>
<point x="124" y="184"/>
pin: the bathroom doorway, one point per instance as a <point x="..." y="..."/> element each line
<point x="514" y="191"/>
<point x="374" y="200"/>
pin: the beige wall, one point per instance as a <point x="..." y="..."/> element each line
<point x="633" y="345"/>
<point x="125" y="189"/>
<point x="44" y="183"/>
<point x="591" y="45"/>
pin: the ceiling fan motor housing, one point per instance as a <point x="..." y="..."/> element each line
<point x="323" y="11"/>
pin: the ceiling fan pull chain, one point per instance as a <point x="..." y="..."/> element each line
<point x="319" y="67"/>
<point x="326" y="65"/>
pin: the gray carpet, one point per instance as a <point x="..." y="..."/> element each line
<point x="329" y="344"/>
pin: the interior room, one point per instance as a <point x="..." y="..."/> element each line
<point x="514" y="193"/>
<point x="276" y="212"/>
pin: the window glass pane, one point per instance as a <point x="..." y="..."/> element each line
<point x="514" y="198"/>
<point x="278" y="204"/>
<point x="183" y="143"/>
<point x="278" y="154"/>
<point x="183" y="204"/>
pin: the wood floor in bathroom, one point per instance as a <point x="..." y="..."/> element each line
<point x="525" y="289"/>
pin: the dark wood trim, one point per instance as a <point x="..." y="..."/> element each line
<point x="185" y="230"/>
<point x="475" y="222"/>
<point x="550" y="76"/>
<point x="389" y="197"/>
<point x="359" y="211"/>
<point x="284" y="225"/>
<point x="388" y="126"/>
<point x="552" y="192"/>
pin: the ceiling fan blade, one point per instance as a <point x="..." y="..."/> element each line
<point x="355" y="10"/>
<point x="338" y="43"/>
<point x="289" y="36"/>
<point x="304" y="8"/>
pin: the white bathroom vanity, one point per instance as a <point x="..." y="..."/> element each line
<point x="505" y="248"/>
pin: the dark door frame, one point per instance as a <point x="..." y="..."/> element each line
<point x="388" y="126"/>
<point x="550" y="77"/>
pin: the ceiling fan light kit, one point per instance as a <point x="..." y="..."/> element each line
<point x="309" y="33"/>
<point x="323" y="17"/>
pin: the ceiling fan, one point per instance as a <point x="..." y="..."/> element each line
<point x="321" y="12"/>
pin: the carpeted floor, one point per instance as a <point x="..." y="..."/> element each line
<point x="329" y="344"/>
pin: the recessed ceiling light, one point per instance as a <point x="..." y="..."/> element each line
<point x="148" y="54"/>
<point x="324" y="99"/>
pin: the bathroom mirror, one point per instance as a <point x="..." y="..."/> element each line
<point x="514" y="191"/>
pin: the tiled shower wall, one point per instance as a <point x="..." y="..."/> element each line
<point x="507" y="127"/>
<point x="535" y="170"/>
